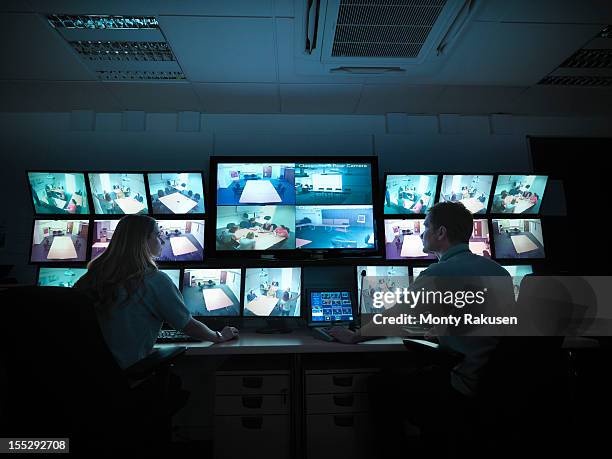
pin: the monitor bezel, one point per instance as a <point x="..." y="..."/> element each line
<point x="63" y="171"/>
<point x="354" y="307"/>
<point x="494" y="189"/>
<point x="273" y="265"/>
<point x="294" y="254"/>
<point x="146" y="185"/>
<point x="150" y="197"/>
<point x="384" y="187"/>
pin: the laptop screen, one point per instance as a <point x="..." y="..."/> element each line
<point x="328" y="306"/>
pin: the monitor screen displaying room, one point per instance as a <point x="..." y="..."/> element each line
<point x="255" y="228"/>
<point x="378" y="280"/>
<point x="272" y="292"/>
<point x="175" y="275"/>
<point x="255" y="183"/>
<point x="334" y="227"/>
<point x="212" y="292"/>
<point x="518" y="272"/>
<point x="176" y="192"/>
<point x="518" y="238"/>
<point x="330" y="306"/>
<point x="472" y="191"/>
<point x="518" y="194"/>
<point x="59" y="277"/>
<point x="403" y="240"/>
<point x="182" y="240"/>
<point x="118" y="194"/>
<point x="409" y="194"/>
<point x="59" y="192"/>
<point x="103" y="231"/>
<point x="417" y="270"/>
<point x="480" y="241"/>
<point x="333" y="183"/>
<point x="59" y="241"/>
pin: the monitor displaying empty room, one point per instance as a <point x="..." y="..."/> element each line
<point x="175" y="275"/>
<point x="182" y="240"/>
<point x="255" y="228"/>
<point x="176" y="192"/>
<point x="212" y="292"/>
<point x="59" y="277"/>
<point x="59" y="241"/>
<point x="58" y="192"/>
<point x="272" y="292"/>
<point x="518" y="272"/>
<point x="480" y="242"/>
<point x="334" y="227"/>
<point x="403" y="240"/>
<point x="472" y="191"/>
<point x="518" y="194"/>
<point x="377" y="281"/>
<point x="103" y="231"/>
<point x="518" y="238"/>
<point x="333" y="183"/>
<point x="255" y="183"/>
<point x="118" y="194"/>
<point x="409" y="194"/>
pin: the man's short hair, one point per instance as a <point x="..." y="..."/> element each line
<point x="457" y="220"/>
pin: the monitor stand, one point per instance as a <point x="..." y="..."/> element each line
<point x="274" y="326"/>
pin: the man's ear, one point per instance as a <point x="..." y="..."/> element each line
<point x="441" y="232"/>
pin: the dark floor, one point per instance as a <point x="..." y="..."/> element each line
<point x="226" y="196"/>
<point x="39" y="252"/>
<point x="167" y="254"/>
<point x="505" y="249"/>
<point x="197" y="306"/>
<point x="329" y="238"/>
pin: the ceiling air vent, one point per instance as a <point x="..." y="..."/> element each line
<point x="591" y="81"/>
<point x="123" y="75"/>
<point x="384" y="28"/>
<point x="590" y="59"/>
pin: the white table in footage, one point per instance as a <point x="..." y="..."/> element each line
<point x="178" y="203"/>
<point x="523" y="244"/>
<point x="522" y="205"/>
<point x="216" y="298"/>
<point x="472" y="204"/>
<point x="259" y="191"/>
<point x="262" y="306"/>
<point x="130" y="205"/>
<point x="263" y="240"/>
<point x="100" y="245"/>
<point x="62" y="248"/>
<point x="181" y="245"/>
<point x="412" y="246"/>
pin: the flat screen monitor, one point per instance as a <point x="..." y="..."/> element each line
<point x="409" y="194"/>
<point x="518" y="194"/>
<point x="473" y="191"/>
<point x="272" y="292"/>
<point x="518" y="272"/>
<point x="182" y="240"/>
<point x="480" y="241"/>
<point x="103" y="231"/>
<point x="212" y="292"/>
<point x="373" y="281"/>
<point x="176" y="193"/>
<point x="59" y="241"/>
<point x="319" y="206"/>
<point x="328" y="306"/>
<point x="118" y="193"/>
<point x="518" y="238"/>
<point x="175" y="275"/>
<point x="59" y="277"/>
<point x="403" y="240"/>
<point x="417" y="270"/>
<point x="58" y="192"/>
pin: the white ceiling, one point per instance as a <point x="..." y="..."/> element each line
<point x="239" y="56"/>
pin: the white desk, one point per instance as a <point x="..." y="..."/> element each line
<point x="262" y="306"/>
<point x="478" y="247"/>
<point x="62" y="248"/>
<point x="130" y="205"/>
<point x="216" y="298"/>
<point x="263" y="239"/>
<point x="371" y="239"/>
<point x="523" y="244"/>
<point x="412" y="247"/>
<point x="259" y="192"/>
<point x="472" y="204"/>
<point x="178" y="203"/>
<point x="100" y="245"/>
<point x="522" y="205"/>
<point x="181" y="245"/>
<point x="301" y="242"/>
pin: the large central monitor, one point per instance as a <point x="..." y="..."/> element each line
<point x="265" y="206"/>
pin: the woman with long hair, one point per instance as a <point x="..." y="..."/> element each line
<point x="133" y="298"/>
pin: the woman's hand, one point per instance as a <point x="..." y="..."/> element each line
<point x="228" y="333"/>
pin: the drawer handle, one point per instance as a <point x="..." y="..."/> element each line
<point x="254" y="401"/>
<point x="344" y="420"/>
<point x="343" y="381"/>
<point x="253" y="422"/>
<point x="252" y="382"/>
<point x="344" y="400"/>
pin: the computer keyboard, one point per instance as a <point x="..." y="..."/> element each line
<point x="174" y="336"/>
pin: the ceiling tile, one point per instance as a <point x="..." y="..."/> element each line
<point x="474" y="100"/>
<point x="386" y="98"/>
<point x="238" y="97"/>
<point x="213" y="49"/>
<point x="319" y="98"/>
<point x="547" y="11"/>
<point x="155" y="96"/>
<point x="551" y="100"/>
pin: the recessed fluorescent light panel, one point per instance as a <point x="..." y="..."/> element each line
<point x="102" y="22"/>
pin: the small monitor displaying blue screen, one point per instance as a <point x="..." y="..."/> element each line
<point x="59" y="277"/>
<point x="331" y="306"/>
<point x="409" y="194"/>
<point x="212" y="292"/>
<point x="59" y="192"/>
<point x="176" y="193"/>
<point x="518" y="194"/>
<point x="255" y="183"/>
<point x="518" y="238"/>
<point x="472" y="191"/>
<point x="118" y="194"/>
<point x="333" y="183"/>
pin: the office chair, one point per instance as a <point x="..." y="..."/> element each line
<point x="62" y="380"/>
